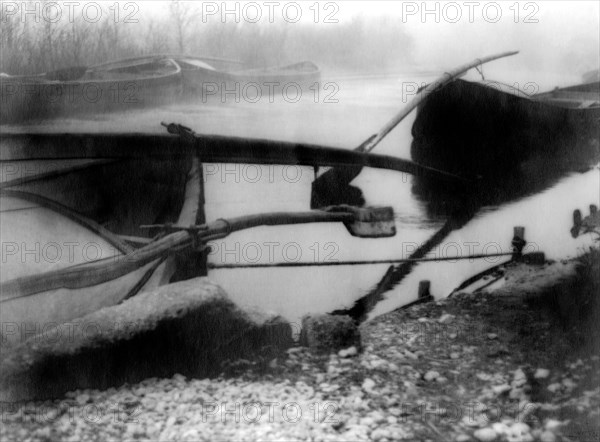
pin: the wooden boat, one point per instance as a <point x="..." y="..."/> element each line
<point x="143" y="81"/>
<point x="87" y="219"/>
<point x="62" y="216"/>
<point x="202" y="77"/>
<point x="489" y="129"/>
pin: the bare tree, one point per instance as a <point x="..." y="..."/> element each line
<point x="182" y="15"/>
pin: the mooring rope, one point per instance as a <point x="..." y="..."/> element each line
<point x="363" y="262"/>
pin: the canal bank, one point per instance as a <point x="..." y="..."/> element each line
<point x="520" y="364"/>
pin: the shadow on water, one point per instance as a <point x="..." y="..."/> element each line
<point x="524" y="179"/>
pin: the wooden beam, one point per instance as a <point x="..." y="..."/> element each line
<point x="209" y="148"/>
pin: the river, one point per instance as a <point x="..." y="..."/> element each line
<point x="343" y="114"/>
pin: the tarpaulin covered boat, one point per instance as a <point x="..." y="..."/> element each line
<point x="143" y="81"/>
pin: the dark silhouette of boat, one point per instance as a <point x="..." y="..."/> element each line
<point x="512" y="142"/>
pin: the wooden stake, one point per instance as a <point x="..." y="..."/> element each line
<point x="518" y="241"/>
<point x="424" y="289"/>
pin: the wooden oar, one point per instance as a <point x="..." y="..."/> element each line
<point x="331" y="186"/>
<point x="367" y="222"/>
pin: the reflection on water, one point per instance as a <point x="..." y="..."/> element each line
<point x="361" y="110"/>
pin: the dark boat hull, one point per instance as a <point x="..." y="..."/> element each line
<point x="476" y="130"/>
<point x="514" y="145"/>
<point x="70" y="214"/>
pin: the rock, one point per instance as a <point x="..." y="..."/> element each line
<point x="547" y="436"/>
<point x="485" y="435"/>
<point x="519" y="432"/>
<point x="554" y="387"/>
<point x="410" y="354"/>
<point x="367" y="422"/>
<point x="446" y="318"/>
<point x="500" y="389"/>
<point x="516" y="393"/>
<point x="368" y="385"/>
<point x="520" y="378"/>
<point x="569" y="384"/>
<point x="43" y="433"/>
<point x="380" y="433"/>
<point x="492" y="336"/>
<point x="348" y="352"/>
<point x="541" y="373"/>
<point x="463" y="438"/>
<point x="189" y="327"/>
<point x="82" y="399"/>
<point x="552" y="425"/>
<point x="329" y="333"/>
<point x="431" y="375"/>
<point x="454" y="355"/>
<point x="500" y="428"/>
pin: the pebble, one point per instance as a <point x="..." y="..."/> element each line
<point x="516" y="393"/>
<point x="368" y="385"/>
<point x="348" y="352"/>
<point x="43" y="433"/>
<point x="552" y="425"/>
<point x="82" y="399"/>
<point x="454" y="355"/>
<point x="519" y="432"/>
<point x="410" y="355"/>
<point x="569" y="384"/>
<point x="500" y="389"/>
<point x="547" y="436"/>
<point x="446" y="318"/>
<point x="431" y="375"/>
<point x="367" y="422"/>
<point x="541" y="373"/>
<point x="463" y="438"/>
<point x="554" y="387"/>
<point x="519" y="377"/>
<point x="492" y="336"/>
<point x="380" y="433"/>
<point x="485" y="435"/>
<point x="500" y="428"/>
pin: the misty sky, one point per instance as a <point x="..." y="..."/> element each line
<point x="552" y="36"/>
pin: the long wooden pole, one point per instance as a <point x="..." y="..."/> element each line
<point x="330" y="187"/>
<point x="370" y="143"/>
<point x="107" y="269"/>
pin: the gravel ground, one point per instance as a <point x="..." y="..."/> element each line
<point x="471" y="367"/>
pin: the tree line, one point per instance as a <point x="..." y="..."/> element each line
<point x="30" y="47"/>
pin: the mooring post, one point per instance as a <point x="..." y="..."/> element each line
<point x="424" y="289"/>
<point x="593" y="209"/>
<point x="518" y="241"/>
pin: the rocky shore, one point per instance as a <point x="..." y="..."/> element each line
<point x="518" y="364"/>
